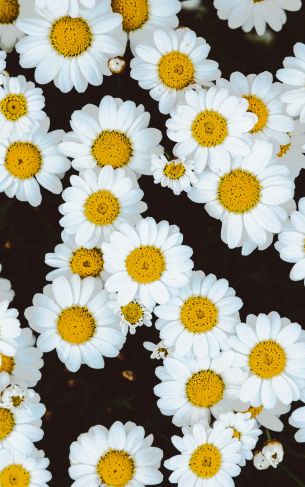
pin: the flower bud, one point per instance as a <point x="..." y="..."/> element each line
<point x="273" y="451"/>
<point x="259" y="461"/>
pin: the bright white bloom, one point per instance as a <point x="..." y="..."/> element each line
<point x="273" y="452"/>
<point x="120" y="456"/>
<point x="291" y="154"/>
<point x="6" y="291"/>
<point x="2" y="66"/>
<point x="72" y="316"/>
<point x="132" y="315"/>
<point x="24" y="469"/>
<point x="69" y="6"/>
<point x="297" y="419"/>
<point x="11" y="11"/>
<point x="247" y="198"/>
<point x="177" y="174"/>
<point x="97" y="201"/>
<point x="210" y="127"/>
<point x="260" y="462"/>
<point x="159" y="351"/>
<point x="269" y="418"/>
<point x="9" y="329"/>
<point x="15" y="397"/>
<point x="171" y="63"/>
<point x="207" y="456"/>
<point x="271" y="350"/>
<point x="116" y="134"/>
<point x="72" y="52"/>
<point x="257" y="14"/>
<point x="147" y="262"/>
<point x="201" y="318"/>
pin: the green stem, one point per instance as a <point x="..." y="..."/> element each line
<point x="292" y="476"/>
<point x="268" y="434"/>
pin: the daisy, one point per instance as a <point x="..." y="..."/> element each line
<point x="271" y="350"/>
<point x="120" y="456"/>
<point x="116" y="134"/>
<point x="72" y="317"/>
<point x="97" y="202"/>
<point x="11" y="11"/>
<point x="71" y="51"/>
<point x="170" y="63"/>
<point x="24" y="469"/>
<point x="248" y="198"/>
<point x="6" y="291"/>
<point x="15" y="397"/>
<point x="159" y="351"/>
<point x="190" y="389"/>
<point x="207" y="456"/>
<point x="256" y="13"/>
<point x="292" y="154"/>
<point x="176" y="174"/>
<point x="263" y="96"/>
<point x="132" y="315"/>
<point x="269" y="418"/>
<point x="210" y="126"/>
<point x="148" y="262"/>
<point x="297" y="419"/>
<point x="2" y="66"/>
<point x="32" y="160"/>
<point x="69" y="6"/>
<point x="9" y="329"/>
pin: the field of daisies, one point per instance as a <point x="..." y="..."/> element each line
<point x="152" y="243"/>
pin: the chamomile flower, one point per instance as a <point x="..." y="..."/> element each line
<point x="6" y="291"/>
<point x="15" y="396"/>
<point x="72" y="317"/>
<point x="11" y="12"/>
<point x="97" y="201"/>
<point x="192" y="389"/>
<point x="256" y="14"/>
<point x="69" y="6"/>
<point x="159" y="351"/>
<point x="170" y="63"/>
<point x="297" y="419"/>
<point x="71" y="51"/>
<point x="210" y="127"/>
<point x="147" y="262"/>
<point x="291" y="154"/>
<point x="271" y="350"/>
<point x="201" y="318"/>
<point x="120" y="456"/>
<point x="9" y="329"/>
<point x="116" y="134"/>
<point x="269" y="418"/>
<point x="132" y="315"/>
<point x="2" y="66"/>
<point x="248" y="198"/>
<point x="176" y="174"/>
<point x="24" y="469"/>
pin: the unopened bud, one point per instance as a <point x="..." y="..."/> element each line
<point x="117" y="65"/>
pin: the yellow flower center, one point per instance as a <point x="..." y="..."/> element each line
<point x="17" y="400"/>
<point x="205" y="389"/>
<point x="236" y="433"/>
<point x="267" y="359"/>
<point x="198" y="314"/>
<point x="176" y="70"/>
<point x="7" y="423"/>
<point x="135" y="13"/>
<point x="70" y="37"/>
<point x="132" y="312"/>
<point x="13" y="107"/>
<point x="254" y="411"/>
<point x="116" y="468"/>
<point x="112" y="148"/>
<point x="258" y="107"/>
<point x="258" y="1"/>
<point x="283" y="150"/>
<point x="205" y="462"/>
<point x="23" y="160"/>
<point x="102" y="207"/>
<point x="239" y="191"/>
<point x="145" y="264"/>
<point x="9" y="11"/>
<point x="76" y="325"/>
<point x="87" y="262"/>
<point x="15" y="475"/>
<point x="209" y="128"/>
<point x="174" y="170"/>
<point x="7" y="364"/>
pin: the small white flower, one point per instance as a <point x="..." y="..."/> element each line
<point x="177" y="174"/>
<point x="132" y="315"/>
<point x="297" y="419"/>
<point x="27" y="468"/>
<point x="11" y="11"/>
<point x="291" y="154"/>
<point x="260" y="461"/>
<point x="269" y="418"/>
<point x="273" y="452"/>
<point x="3" y="74"/>
<point x="9" y="329"/>
<point x="159" y="351"/>
<point x="15" y="396"/>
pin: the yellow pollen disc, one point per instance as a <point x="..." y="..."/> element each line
<point x="112" y="148"/>
<point x="116" y="468"/>
<point x="135" y="13"/>
<point x="70" y="37"/>
<point x="132" y="312"/>
<point x="87" y="262"/>
<point x="9" y="11"/>
<point x="15" y="475"/>
<point x="23" y="160"/>
<point x="17" y="400"/>
<point x="7" y="364"/>
<point x="236" y="434"/>
<point x="209" y="128"/>
<point x="205" y="388"/>
<point x="174" y="170"/>
<point x="145" y="264"/>
<point x="176" y="70"/>
<point x="7" y="423"/>
<point x="239" y="191"/>
<point x="283" y="150"/>
<point x="205" y="462"/>
<point x="76" y="325"/>
<point x="267" y="359"/>
<point x="258" y="107"/>
<point x="102" y="207"/>
<point x="198" y="314"/>
<point x="254" y="411"/>
<point x="13" y="107"/>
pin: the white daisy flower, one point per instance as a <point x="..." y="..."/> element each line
<point x="71" y="51"/>
<point x="147" y="262"/>
<point x="2" y="66"/>
<point x="271" y="350"/>
<point x="11" y="11"/>
<point x="15" y="396"/>
<point x="297" y="419"/>
<point x="201" y="318"/>
<point x="132" y="315"/>
<point x="69" y="6"/>
<point x="248" y="198"/>
<point x="207" y="456"/>
<point x="176" y="174"/>
<point x="273" y="451"/>
<point x="257" y="14"/>
<point x="159" y="351"/>
<point x="25" y="469"/>
<point x="210" y="127"/>
<point x="21" y="105"/>
<point x="116" y="134"/>
<point x="263" y="96"/>
<point x="72" y="316"/>
<point x="6" y="291"/>
<point x="170" y="63"/>
<point x="269" y="418"/>
<point x="291" y="154"/>
<point x="120" y="456"/>
<point x="190" y="389"/>
<point x="9" y="329"/>
<point x="97" y="201"/>
<point x="32" y="160"/>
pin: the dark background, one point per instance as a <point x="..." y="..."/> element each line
<point x="75" y="402"/>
